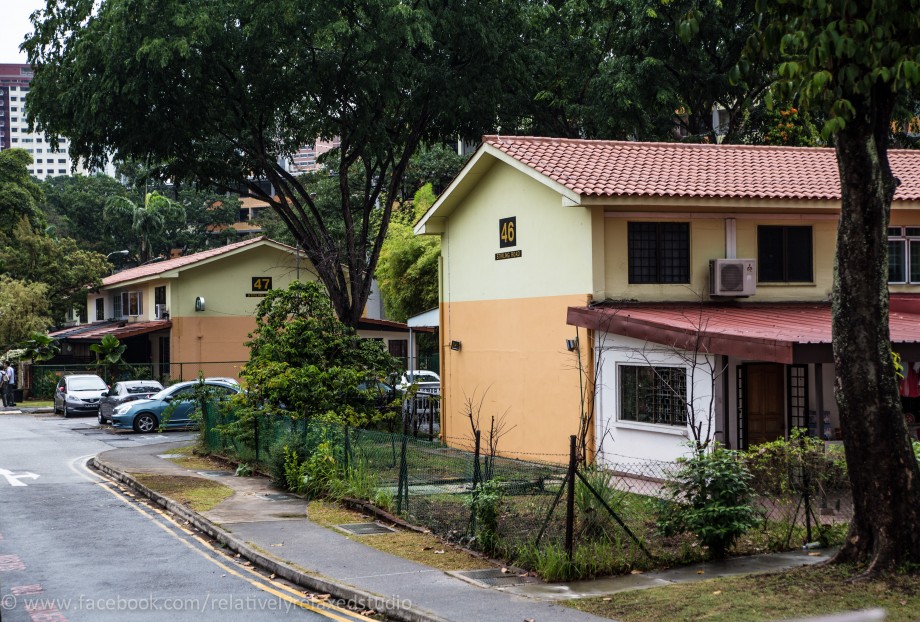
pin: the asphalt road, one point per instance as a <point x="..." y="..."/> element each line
<point x="74" y="546"/>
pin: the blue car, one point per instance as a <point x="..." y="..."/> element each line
<point x="145" y="415"/>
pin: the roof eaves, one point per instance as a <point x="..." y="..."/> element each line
<point x="481" y="161"/>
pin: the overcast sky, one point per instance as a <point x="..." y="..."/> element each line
<point x="14" y="26"/>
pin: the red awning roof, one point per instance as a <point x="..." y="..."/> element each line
<point x="782" y="333"/>
<point x="97" y="330"/>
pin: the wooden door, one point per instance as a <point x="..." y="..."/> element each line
<point x="765" y="403"/>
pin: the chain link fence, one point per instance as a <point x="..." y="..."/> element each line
<point x="526" y="510"/>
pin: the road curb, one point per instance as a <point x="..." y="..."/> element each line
<point x="389" y="607"/>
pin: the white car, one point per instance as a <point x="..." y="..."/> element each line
<point x="429" y="383"/>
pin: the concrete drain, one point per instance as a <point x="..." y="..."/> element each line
<point x="278" y="496"/>
<point x="494" y="577"/>
<point x="215" y="473"/>
<point x="365" y="529"/>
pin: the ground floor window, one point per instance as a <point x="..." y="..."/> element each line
<point x="651" y="394"/>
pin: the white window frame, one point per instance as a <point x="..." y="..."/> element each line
<point x="908" y="239"/>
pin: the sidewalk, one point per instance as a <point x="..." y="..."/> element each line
<point x="257" y="522"/>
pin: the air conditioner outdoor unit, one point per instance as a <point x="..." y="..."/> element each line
<point x="160" y="312"/>
<point x="732" y="277"/>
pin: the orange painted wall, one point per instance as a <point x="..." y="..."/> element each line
<point x="513" y="353"/>
<point x="207" y="340"/>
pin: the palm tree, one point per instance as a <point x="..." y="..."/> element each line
<point x="147" y="221"/>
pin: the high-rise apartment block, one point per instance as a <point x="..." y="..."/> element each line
<point x="14" y="129"/>
<point x="304" y="159"/>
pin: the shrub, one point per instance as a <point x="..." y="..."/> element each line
<point x="711" y="497"/>
<point x="43" y="385"/>
<point x="595" y="520"/>
<point x="783" y="468"/>
<point x="485" y="503"/>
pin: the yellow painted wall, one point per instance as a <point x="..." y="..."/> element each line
<point x="224" y="283"/>
<point x="510" y="315"/>
<point x="707" y="241"/>
<point x="555" y="242"/>
<point x="514" y="361"/>
<point x="211" y="345"/>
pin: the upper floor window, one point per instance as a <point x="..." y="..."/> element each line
<point x="127" y="303"/>
<point x="904" y="254"/>
<point x="100" y="309"/>
<point x="659" y="252"/>
<point x="784" y="254"/>
<point x="651" y="394"/>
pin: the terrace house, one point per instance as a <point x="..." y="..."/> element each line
<point x="652" y="286"/>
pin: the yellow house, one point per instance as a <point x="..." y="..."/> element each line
<point x="690" y="284"/>
<point x="194" y="313"/>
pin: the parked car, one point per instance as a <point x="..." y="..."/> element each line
<point x="126" y="391"/>
<point x="428" y="382"/>
<point x="145" y="415"/>
<point x="383" y="394"/>
<point x="79" y="394"/>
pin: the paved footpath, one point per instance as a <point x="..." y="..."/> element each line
<point x="272" y="529"/>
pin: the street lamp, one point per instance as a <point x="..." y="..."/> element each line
<point x="123" y="253"/>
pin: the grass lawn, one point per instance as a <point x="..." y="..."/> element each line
<point x="797" y="593"/>
<point x="418" y="547"/>
<point x="35" y="404"/>
<point x="198" y="493"/>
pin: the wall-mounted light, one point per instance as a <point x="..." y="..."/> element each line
<point x="199" y="303"/>
<point x="571" y="344"/>
<point x="455" y="346"/>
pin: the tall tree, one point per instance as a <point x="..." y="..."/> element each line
<point x="74" y="205"/>
<point x="148" y="221"/>
<point x="408" y="269"/>
<point x="852" y="61"/>
<point x="30" y="256"/>
<point x="23" y="310"/>
<point x="59" y="263"/>
<point x="240" y="84"/>
<point x="20" y="195"/>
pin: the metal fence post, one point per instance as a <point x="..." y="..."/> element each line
<point x="347" y="448"/>
<point x="477" y="474"/>
<point x="255" y="424"/>
<point x="570" y="501"/>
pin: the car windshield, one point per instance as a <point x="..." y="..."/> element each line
<point x="86" y="384"/>
<point x="143" y="388"/>
<point x="422" y="377"/>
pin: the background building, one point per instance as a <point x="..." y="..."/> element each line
<point x="14" y="128"/>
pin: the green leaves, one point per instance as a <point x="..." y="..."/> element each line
<point x="711" y="497"/>
<point x="835" y="54"/>
<point x="306" y="362"/>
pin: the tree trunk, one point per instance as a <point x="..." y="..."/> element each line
<point x="883" y="473"/>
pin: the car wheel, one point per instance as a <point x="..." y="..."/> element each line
<point x="100" y="417"/>
<point x="64" y="410"/>
<point x="145" y="423"/>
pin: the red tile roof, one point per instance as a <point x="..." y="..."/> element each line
<point x="97" y="330"/>
<point x="616" y="168"/>
<point x="159" y="267"/>
<point x="765" y="332"/>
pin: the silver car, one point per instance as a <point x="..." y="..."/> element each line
<point x="79" y="394"/>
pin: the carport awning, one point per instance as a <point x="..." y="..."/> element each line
<point x="97" y="330"/>
<point x="780" y="333"/>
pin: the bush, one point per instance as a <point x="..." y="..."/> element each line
<point x="43" y="385"/>
<point x="784" y="468"/>
<point x="595" y="520"/>
<point x="485" y="502"/>
<point x="711" y="497"/>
